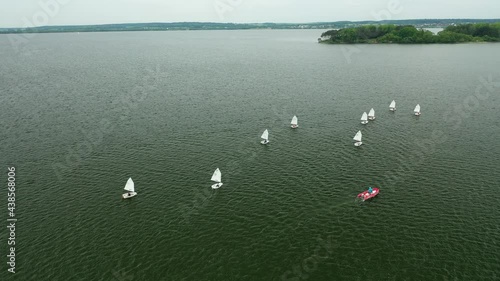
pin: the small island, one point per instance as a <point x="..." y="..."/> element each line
<point x="409" y="34"/>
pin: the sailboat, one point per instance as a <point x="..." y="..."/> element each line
<point x="371" y="114"/>
<point x="294" y="122"/>
<point x="357" y="138"/>
<point x="392" y="106"/>
<point x="417" y="110"/>
<point x="130" y="188"/>
<point x="216" y="177"/>
<point x="265" y="137"/>
<point x="364" y="118"/>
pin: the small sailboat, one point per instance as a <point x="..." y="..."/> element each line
<point x="129" y="186"/>
<point x="216" y="177"/>
<point x="364" y="118"/>
<point x="265" y="137"/>
<point x="370" y="193"/>
<point x="294" y="122"/>
<point x="392" y="106"/>
<point x="357" y="139"/>
<point x="417" y="110"/>
<point x="371" y="114"/>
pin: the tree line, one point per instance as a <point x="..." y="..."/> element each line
<point x="409" y="34"/>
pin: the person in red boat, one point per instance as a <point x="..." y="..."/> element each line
<point x="370" y="190"/>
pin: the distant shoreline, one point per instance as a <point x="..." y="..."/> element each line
<point x="176" y="26"/>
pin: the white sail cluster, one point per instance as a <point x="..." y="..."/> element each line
<point x="217" y="175"/>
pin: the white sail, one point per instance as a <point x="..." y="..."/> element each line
<point x="364" y="117"/>
<point x="358" y="136"/>
<point x="265" y="135"/>
<point x="294" y="120"/>
<point x="216" y="177"/>
<point x="393" y="104"/>
<point x="371" y="113"/>
<point x="417" y="108"/>
<point x="130" y="185"/>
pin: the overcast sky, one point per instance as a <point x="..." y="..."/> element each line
<point x="22" y="13"/>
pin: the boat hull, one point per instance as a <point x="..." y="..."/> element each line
<point x="365" y="195"/>
<point x="364" y="122"/>
<point x="417" y="113"/>
<point x="264" y="142"/>
<point x="359" y="143"/>
<point x="392" y="109"/>
<point x="294" y="126"/>
<point x="217" y="185"/>
<point x="129" y="195"/>
<point x="371" y="118"/>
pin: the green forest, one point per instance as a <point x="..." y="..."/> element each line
<point x="409" y="34"/>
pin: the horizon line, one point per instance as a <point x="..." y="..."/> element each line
<point x="243" y="23"/>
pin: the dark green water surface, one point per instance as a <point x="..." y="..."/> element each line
<point x="81" y="113"/>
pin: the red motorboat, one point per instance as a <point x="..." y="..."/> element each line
<point x="367" y="195"/>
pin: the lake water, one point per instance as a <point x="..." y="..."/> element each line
<point x="434" y="30"/>
<point x="81" y="113"/>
